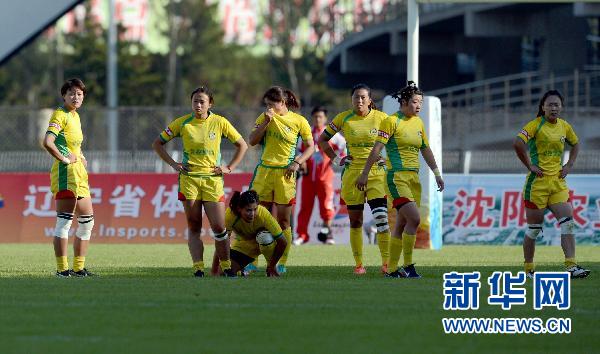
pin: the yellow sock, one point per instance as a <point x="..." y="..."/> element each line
<point x="529" y="267"/>
<point x="408" y="244"/>
<point x="225" y="264"/>
<point x="395" y="252"/>
<point x="287" y="233"/>
<point x="267" y="252"/>
<point x="198" y="266"/>
<point x="78" y="263"/>
<point x="62" y="264"/>
<point x="383" y="241"/>
<point x="569" y="262"/>
<point x="356" y="242"/>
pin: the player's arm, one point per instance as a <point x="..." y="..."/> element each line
<point x="159" y="147"/>
<point x="330" y="131"/>
<point x="521" y="150"/>
<point x="374" y="156"/>
<point x="280" y="244"/>
<point x="261" y="127"/>
<point x="240" y="150"/>
<point x="49" y="145"/>
<point x="430" y="161"/>
<point x="566" y="169"/>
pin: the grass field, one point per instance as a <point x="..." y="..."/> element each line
<point x="145" y="301"/>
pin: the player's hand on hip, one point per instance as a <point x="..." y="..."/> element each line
<point x="72" y="158"/>
<point x="566" y="169"/>
<point x="361" y="182"/>
<point x="346" y="160"/>
<point x="180" y="167"/>
<point x="291" y="169"/>
<point x="536" y="170"/>
<point x="440" y="183"/>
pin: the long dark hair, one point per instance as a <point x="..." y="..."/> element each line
<point x="278" y="94"/>
<point x="406" y="93"/>
<point x="543" y="100"/>
<point x="362" y="86"/>
<point x="240" y="200"/>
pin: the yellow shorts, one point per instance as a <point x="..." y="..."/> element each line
<point x="69" y="181"/>
<point x="375" y="186"/>
<point x="205" y="188"/>
<point x="248" y="247"/>
<point x="404" y="187"/>
<point x="272" y="186"/>
<point x="540" y="192"/>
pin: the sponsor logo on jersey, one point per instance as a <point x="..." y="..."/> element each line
<point x="168" y="131"/>
<point x="524" y="132"/>
<point x="332" y="126"/>
<point x="383" y="134"/>
<point x="55" y="125"/>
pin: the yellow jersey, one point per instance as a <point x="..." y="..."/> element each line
<point x="546" y="142"/>
<point x="281" y="138"/>
<point x="360" y="134"/>
<point x="66" y="127"/>
<point x="403" y="138"/>
<point x="263" y="221"/>
<point x="201" y="140"/>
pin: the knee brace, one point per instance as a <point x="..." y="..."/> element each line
<point x="86" y="224"/>
<point x="380" y="216"/>
<point x="533" y="231"/>
<point x="566" y="226"/>
<point x="63" y="224"/>
<point x="221" y="236"/>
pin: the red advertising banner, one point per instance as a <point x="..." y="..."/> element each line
<point x="128" y="208"/>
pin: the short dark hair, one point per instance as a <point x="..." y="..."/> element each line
<point x="71" y="83"/>
<point x="205" y="90"/>
<point x="319" y="109"/>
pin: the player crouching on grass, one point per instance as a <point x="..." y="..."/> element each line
<point x="69" y="180"/>
<point x="256" y="232"/>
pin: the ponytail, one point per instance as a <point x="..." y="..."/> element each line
<point x="543" y="101"/>
<point x="279" y="94"/>
<point x="240" y="200"/>
<point x="405" y="94"/>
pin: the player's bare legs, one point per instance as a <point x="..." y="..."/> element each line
<point x="61" y="244"/>
<point x="83" y="207"/>
<point x="534" y="217"/>
<point x="284" y="214"/>
<point x="193" y="214"/>
<point x="567" y="241"/>
<point x="215" y="212"/>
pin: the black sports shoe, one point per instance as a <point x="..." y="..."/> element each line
<point x="199" y="274"/>
<point x="64" y="273"/>
<point x="82" y="273"/>
<point x="400" y="273"/>
<point x="411" y="272"/>
<point x="228" y="273"/>
<point x="578" y="272"/>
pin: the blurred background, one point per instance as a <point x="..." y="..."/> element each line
<point x="488" y="63"/>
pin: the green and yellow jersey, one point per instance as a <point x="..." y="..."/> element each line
<point x="263" y="221"/>
<point x="281" y="138"/>
<point x="360" y="133"/>
<point x="546" y="142"/>
<point x="201" y="140"/>
<point x="403" y="138"/>
<point x="66" y="127"/>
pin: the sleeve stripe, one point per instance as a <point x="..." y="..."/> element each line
<point x="163" y="139"/>
<point x="278" y="236"/>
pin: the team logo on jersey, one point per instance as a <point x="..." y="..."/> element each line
<point x="562" y="139"/>
<point x="212" y="135"/>
<point x="420" y="133"/>
<point x="524" y="132"/>
<point x="55" y="125"/>
<point x="373" y="131"/>
<point x="287" y="129"/>
<point x="168" y="131"/>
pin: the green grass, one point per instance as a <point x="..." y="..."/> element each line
<point x="145" y="301"/>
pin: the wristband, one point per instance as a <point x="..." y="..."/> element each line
<point x="337" y="160"/>
<point x="437" y="173"/>
<point x="296" y="162"/>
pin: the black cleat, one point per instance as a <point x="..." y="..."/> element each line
<point x="63" y="274"/>
<point x="411" y="272"/>
<point x="199" y="274"/>
<point x="578" y="272"/>
<point x="400" y="273"/>
<point x="82" y="273"/>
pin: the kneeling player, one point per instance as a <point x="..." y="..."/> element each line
<point x="256" y="232"/>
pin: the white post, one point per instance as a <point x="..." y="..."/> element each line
<point x="412" y="33"/>
<point x="112" y="89"/>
